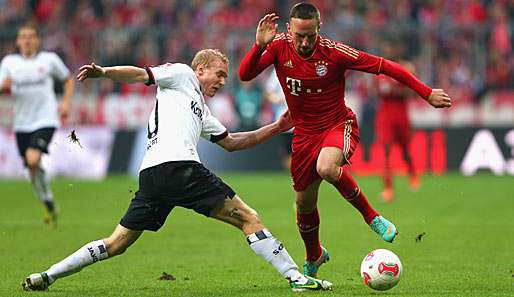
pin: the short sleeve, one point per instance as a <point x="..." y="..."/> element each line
<point x="212" y="129"/>
<point x="59" y="70"/>
<point x="4" y="72"/>
<point x="168" y="75"/>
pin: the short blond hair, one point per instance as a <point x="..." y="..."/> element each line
<point x="207" y="56"/>
<point x="29" y="26"/>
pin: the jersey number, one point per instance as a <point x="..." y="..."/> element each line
<point x="152" y="134"/>
<point x="294" y="85"/>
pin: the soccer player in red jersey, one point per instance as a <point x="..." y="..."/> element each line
<point x="311" y="70"/>
<point x="392" y="126"/>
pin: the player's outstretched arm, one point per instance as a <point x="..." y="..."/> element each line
<point x="435" y="97"/>
<point x="120" y="74"/>
<point x="244" y="140"/>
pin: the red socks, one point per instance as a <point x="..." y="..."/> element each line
<point x="387" y="178"/>
<point x="349" y="189"/>
<point x="308" y="225"/>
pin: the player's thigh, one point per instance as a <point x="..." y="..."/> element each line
<point x="345" y="138"/>
<point x="329" y="161"/>
<point x="307" y="199"/>
<point x="38" y="143"/>
<point x="120" y="239"/>
<point x="22" y="141"/>
<point x="237" y="213"/>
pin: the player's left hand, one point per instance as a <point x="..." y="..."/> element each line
<point x="285" y="123"/>
<point x="64" y="111"/>
<point x="90" y="71"/>
<point x="439" y="99"/>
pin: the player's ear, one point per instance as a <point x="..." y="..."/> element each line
<point x="288" y="28"/>
<point x="200" y="69"/>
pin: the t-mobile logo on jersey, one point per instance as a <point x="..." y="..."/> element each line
<point x="196" y="110"/>
<point x="294" y="85"/>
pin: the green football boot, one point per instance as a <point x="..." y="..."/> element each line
<point x="311" y="268"/>
<point x="384" y="228"/>
<point x="311" y="284"/>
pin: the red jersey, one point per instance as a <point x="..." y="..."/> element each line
<point x="392" y="95"/>
<point x="314" y="86"/>
<point x="392" y="123"/>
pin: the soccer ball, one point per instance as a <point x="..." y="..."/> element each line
<point x="381" y="269"/>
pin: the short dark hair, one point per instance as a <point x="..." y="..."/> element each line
<point x="305" y="11"/>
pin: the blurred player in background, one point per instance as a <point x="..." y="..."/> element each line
<point x="392" y="124"/>
<point x="171" y="173"/>
<point x="29" y="76"/>
<point x="311" y="70"/>
<point x="273" y="93"/>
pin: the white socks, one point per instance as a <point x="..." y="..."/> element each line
<point x="271" y="249"/>
<point x="262" y="243"/>
<point x="41" y="184"/>
<point x="86" y="255"/>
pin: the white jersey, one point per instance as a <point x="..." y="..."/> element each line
<point x="32" y="86"/>
<point x="179" y="118"/>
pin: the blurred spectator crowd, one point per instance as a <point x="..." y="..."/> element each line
<point x="460" y="45"/>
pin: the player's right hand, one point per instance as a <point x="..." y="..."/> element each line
<point x="284" y="122"/>
<point x="266" y="30"/>
<point x="90" y="71"/>
<point x="439" y="99"/>
<point x="6" y="86"/>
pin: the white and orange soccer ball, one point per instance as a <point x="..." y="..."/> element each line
<point x="381" y="269"/>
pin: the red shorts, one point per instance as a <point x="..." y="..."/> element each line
<point x="306" y="149"/>
<point x="392" y="127"/>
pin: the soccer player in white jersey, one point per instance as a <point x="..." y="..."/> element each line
<point x="171" y="173"/>
<point x="29" y="76"/>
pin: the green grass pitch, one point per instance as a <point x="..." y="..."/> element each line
<point x="468" y="249"/>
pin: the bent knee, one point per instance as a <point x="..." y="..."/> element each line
<point x="32" y="157"/>
<point x="32" y="163"/>
<point x="329" y="173"/>
<point x="114" y="247"/>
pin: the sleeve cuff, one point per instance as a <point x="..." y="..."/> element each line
<point x="216" y="138"/>
<point x="151" y="79"/>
